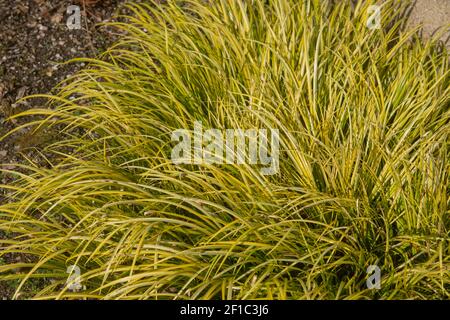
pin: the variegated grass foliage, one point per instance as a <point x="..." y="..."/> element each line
<point x="363" y="175"/>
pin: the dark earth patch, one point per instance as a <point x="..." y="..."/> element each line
<point x="34" y="38"/>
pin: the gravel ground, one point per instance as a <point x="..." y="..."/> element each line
<point x="34" y="38"/>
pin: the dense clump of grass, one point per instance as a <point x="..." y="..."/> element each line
<point x="363" y="179"/>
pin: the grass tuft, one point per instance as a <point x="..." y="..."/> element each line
<point x="364" y="160"/>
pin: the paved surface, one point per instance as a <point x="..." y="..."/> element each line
<point x="433" y="14"/>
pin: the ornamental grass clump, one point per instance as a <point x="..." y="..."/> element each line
<point x="362" y="178"/>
